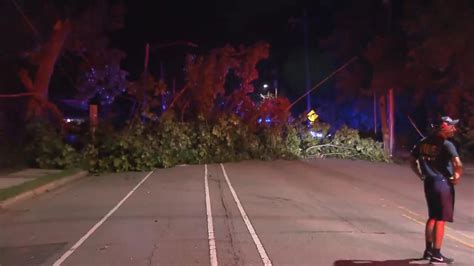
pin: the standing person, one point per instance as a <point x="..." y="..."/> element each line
<point x="436" y="161"/>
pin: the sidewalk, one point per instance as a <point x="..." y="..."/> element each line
<point x="19" y="177"/>
<point x="27" y="183"/>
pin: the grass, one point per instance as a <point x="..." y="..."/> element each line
<point x="13" y="191"/>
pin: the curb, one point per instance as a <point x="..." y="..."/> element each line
<point x="42" y="189"/>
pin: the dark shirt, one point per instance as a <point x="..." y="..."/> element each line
<point x="434" y="156"/>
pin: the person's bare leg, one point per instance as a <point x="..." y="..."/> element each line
<point x="429" y="237"/>
<point x="437" y="257"/>
<point x="429" y="231"/>
<point x="438" y="234"/>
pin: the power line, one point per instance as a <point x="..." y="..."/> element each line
<point x="25" y="18"/>
<point x="322" y="81"/>
<point x="26" y="94"/>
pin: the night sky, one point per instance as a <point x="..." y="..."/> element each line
<point x="209" y="24"/>
<point x="212" y="24"/>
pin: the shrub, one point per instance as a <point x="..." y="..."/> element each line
<point x="347" y="143"/>
<point x="45" y="147"/>
<point x="131" y="150"/>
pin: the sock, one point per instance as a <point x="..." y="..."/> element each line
<point x="437" y="252"/>
<point x="429" y="245"/>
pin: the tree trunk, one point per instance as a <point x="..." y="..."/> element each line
<point x="39" y="105"/>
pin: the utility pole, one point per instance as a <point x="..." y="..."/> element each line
<point x="391" y="121"/>
<point x="275" y="87"/>
<point x="375" y="111"/>
<point x="306" y="61"/>
<point x="388" y="120"/>
<point x="304" y="21"/>
<point x="145" y="75"/>
<point x="154" y="48"/>
<point x="275" y="81"/>
<point x="162" y="79"/>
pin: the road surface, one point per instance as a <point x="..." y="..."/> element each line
<point x="316" y="212"/>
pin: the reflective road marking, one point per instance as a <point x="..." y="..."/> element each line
<point x="97" y="225"/>
<point x="256" y="240"/>
<point x="210" y="224"/>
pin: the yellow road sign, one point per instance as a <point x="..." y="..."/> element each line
<point x="312" y="116"/>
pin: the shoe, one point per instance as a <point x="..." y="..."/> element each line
<point x="440" y="259"/>
<point x="427" y="254"/>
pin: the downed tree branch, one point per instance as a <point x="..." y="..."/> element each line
<point x="326" y="145"/>
<point x="177" y="97"/>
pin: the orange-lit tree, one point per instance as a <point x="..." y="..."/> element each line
<point x="204" y="93"/>
<point x="75" y="27"/>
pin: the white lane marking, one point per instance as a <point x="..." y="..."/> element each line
<point x="210" y="224"/>
<point x="97" y="225"/>
<point x="256" y="240"/>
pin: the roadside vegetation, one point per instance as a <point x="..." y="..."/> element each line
<point x="169" y="142"/>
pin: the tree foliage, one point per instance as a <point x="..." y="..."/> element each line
<point x="206" y="76"/>
<point x="76" y="27"/>
<point x="102" y="77"/>
<point x="440" y="54"/>
<point x="418" y="48"/>
<point x="171" y="142"/>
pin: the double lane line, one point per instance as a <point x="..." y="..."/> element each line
<point x="211" y="236"/>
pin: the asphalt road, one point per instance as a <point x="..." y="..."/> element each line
<point x="318" y="212"/>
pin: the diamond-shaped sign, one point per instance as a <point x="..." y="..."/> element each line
<point x="312" y="116"/>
